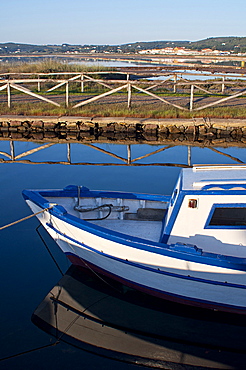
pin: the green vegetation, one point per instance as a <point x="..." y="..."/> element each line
<point x="234" y="44"/>
<point x="48" y="66"/>
<point x="158" y="110"/>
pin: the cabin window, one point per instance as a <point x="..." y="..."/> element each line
<point x="228" y="216"/>
<point x="174" y="196"/>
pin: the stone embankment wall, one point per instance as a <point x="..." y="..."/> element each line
<point x="201" y="130"/>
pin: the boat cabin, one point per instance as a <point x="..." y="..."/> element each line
<point x="208" y="209"/>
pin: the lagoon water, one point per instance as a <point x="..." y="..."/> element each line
<point x="28" y="272"/>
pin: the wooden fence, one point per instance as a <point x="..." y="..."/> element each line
<point x="143" y="82"/>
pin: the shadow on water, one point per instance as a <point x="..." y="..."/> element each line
<point x="101" y="316"/>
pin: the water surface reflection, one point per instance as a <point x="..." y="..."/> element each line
<point x="154" y="333"/>
<point x="98" y="315"/>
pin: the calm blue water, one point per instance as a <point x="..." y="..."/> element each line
<point x="27" y="271"/>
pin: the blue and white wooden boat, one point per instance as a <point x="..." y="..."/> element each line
<point x="189" y="247"/>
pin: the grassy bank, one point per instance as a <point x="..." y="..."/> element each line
<point x="119" y="110"/>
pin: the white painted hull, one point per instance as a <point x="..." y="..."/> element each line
<point x="180" y="280"/>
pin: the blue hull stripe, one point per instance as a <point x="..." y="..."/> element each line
<point x="161" y="293"/>
<point x="232" y="263"/>
<point x="204" y="281"/>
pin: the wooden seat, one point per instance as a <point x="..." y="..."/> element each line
<point x="146" y="214"/>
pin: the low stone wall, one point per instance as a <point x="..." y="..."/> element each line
<point x="209" y="131"/>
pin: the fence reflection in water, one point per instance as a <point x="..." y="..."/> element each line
<point x="11" y="156"/>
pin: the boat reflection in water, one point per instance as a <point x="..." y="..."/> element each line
<point x="104" y="317"/>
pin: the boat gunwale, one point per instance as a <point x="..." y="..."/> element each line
<point x="227" y="262"/>
<point x="72" y="191"/>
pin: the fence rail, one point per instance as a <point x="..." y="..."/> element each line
<point x="142" y="82"/>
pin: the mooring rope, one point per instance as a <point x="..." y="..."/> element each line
<point x="25" y="218"/>
<point x="95" y="273"/>
<point x="48" y="250"/>
<point x="29" y="351"/>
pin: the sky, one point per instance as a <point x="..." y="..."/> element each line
<point x="116" y="22"/>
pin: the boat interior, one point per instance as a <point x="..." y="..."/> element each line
<point x="126" y="216"/>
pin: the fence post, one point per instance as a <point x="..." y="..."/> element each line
<point x="191" y="96"/>
<point x="9" y="95"/>
<point x="82" y="83"/>
<point x="129" y="90"/>
<point x="223" y="84"/>
<point x="39" y="84"/>
<point x="67" y="97"/>
<point x="174" y="84"/>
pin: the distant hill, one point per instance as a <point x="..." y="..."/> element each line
<point x="232" y="44"/>
<point x="236" y="44"/>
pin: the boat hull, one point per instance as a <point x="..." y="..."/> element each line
<point x="196" y="299"/>
<point x="199" y="303"/>
<point x="147" y="268"/>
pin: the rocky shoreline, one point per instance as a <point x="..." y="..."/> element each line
<point x="203" y="131"/>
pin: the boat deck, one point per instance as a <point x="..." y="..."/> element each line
<point x="150" y="230"/>
<point x="142" y="219"/>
